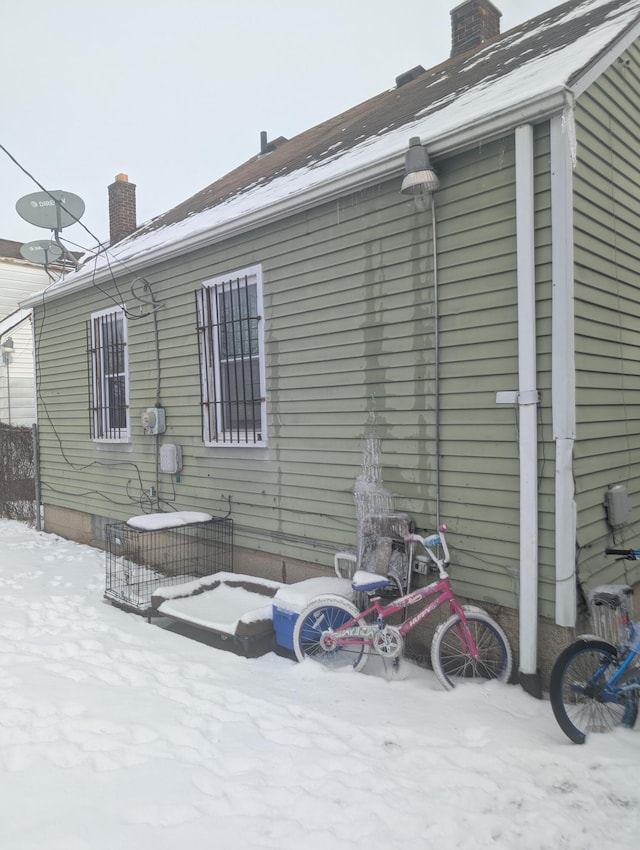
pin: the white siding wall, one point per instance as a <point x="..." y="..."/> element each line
<point x="17" y="280"/>
<point x="17" y="379"/>
<point x="17" y="383"/>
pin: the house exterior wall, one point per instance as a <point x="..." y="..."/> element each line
<point x="349" y="308"/>
<point x="479" y="332"/>
<point x="607" y="309"/>
<point x="17" y="384"/>
<point x="18" y="279"/>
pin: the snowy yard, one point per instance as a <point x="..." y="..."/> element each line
<point x="117" y="734"/>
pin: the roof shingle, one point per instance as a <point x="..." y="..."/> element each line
<point x="427" y="94"/>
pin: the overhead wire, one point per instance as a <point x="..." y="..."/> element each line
<point x="101" y="249"/>
<point x="148" y="299"/>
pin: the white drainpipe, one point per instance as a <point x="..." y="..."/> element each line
<point x="528" y="410"/>
<point x="563" y="391"/>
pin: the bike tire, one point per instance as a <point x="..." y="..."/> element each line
<point x="579" y="713"/>
<point x="450" y="659"/>
<point x="325" y="614"/>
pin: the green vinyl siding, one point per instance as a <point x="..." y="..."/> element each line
<point x="349" y="331"/>
<point x="607" y="287"/>
<point x="479" y="356"/>
<point x="316" y="309"/>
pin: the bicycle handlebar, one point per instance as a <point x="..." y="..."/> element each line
<point x="629" y="554"/>
<point x="430" y="542"/>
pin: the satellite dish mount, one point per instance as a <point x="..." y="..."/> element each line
<point x="54" y="211"/>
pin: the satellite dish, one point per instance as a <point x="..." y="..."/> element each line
<point x="53" y="210"/>
<point x="42" y="252"/>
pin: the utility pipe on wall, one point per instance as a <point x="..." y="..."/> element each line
<point x="528" y="410"/>
<point x="436" y="356"/>
<point x="563" y="370"/>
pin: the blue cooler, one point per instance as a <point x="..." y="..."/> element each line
<point x="290" y="599"/>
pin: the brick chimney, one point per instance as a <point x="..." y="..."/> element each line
<point x="122" y="208"/>
<point x="473" y="23"/>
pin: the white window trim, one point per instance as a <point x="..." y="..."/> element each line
<point x="230" y="439"/>
<point x="124" y="433"/>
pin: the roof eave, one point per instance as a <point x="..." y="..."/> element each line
<point x="10" y="322"/>
<point x="587" y="76"/>
<point x="534" y="110"/>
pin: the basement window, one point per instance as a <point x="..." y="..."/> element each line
<point x="232" y="369"/>
<point x="109" y="375"/>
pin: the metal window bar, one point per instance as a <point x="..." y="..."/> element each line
<point x="204" y="362"/>
<point x="91" y="380"/>
<point x="229" y="357"/>
<point x="108" y="401"/>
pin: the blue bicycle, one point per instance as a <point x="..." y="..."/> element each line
<point x="595" y="682"/>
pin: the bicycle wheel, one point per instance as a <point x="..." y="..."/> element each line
<point x="313" y="629"/>
<point x="575" y="689"/>
<point x="450" y="656"/>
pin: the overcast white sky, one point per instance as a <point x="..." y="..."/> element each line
<point x="174" y="93"/>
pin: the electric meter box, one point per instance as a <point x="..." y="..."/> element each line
<point x="152" y="420"/>
<point x="170" y="458"/>
<point x="618" y="505"/>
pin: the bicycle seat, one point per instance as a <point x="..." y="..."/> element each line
<point x="610" y="595"/>
<point x="363" y="581"/>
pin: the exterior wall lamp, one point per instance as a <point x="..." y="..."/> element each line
<point x="7" y="349"/>
<point x="419" y="174"/>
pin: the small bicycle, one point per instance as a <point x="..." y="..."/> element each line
<point x="468" y="644"/>
<point x="595" y="682"/>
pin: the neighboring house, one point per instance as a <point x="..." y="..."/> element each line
<point x="17" y="379"/>
<point x="18" y="279"/>
<point x="490" y="329"/>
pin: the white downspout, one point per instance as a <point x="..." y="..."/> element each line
<point x="563" y="375"/>
<point x="436" y="356"/>
<point x="528" y="410"/>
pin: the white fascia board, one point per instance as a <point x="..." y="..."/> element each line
<point x="12" y="321"/>
<point x="598" y="68"/>
<point x="531" y="111"/>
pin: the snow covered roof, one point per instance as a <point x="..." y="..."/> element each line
<point x="520" y="76"/>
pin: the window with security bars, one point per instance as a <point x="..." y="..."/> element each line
<point x="109" y="379"/>
<point x="231" y="333"/>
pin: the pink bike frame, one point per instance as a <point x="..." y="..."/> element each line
<point x="441" y="587"/>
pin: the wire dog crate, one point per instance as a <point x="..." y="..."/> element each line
<point x="140" y="560"/>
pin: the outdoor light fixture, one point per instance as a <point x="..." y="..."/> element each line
<point x="419" y="174"/>
<point x="7" y="356"/>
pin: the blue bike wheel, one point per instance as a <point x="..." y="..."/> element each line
<point x="579" y="700"/>
<point x="313" y="630"/>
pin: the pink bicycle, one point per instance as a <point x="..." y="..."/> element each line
<point x="468" y="644"/>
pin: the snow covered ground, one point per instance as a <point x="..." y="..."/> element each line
<point x="118" y="734"/>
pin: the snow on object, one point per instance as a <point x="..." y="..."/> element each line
<point x="219" y="602"/>
<point x="220" y="610"/>
<point x="153" y="522"/>
<point x="118" y="734"/>
<point x="294" y="597"/>
<point x="543" y="75"/>
<point x="198" y="585"/>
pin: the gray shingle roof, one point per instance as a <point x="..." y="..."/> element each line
<point x="429" y="92"/>
<point x="10" y="250"/>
